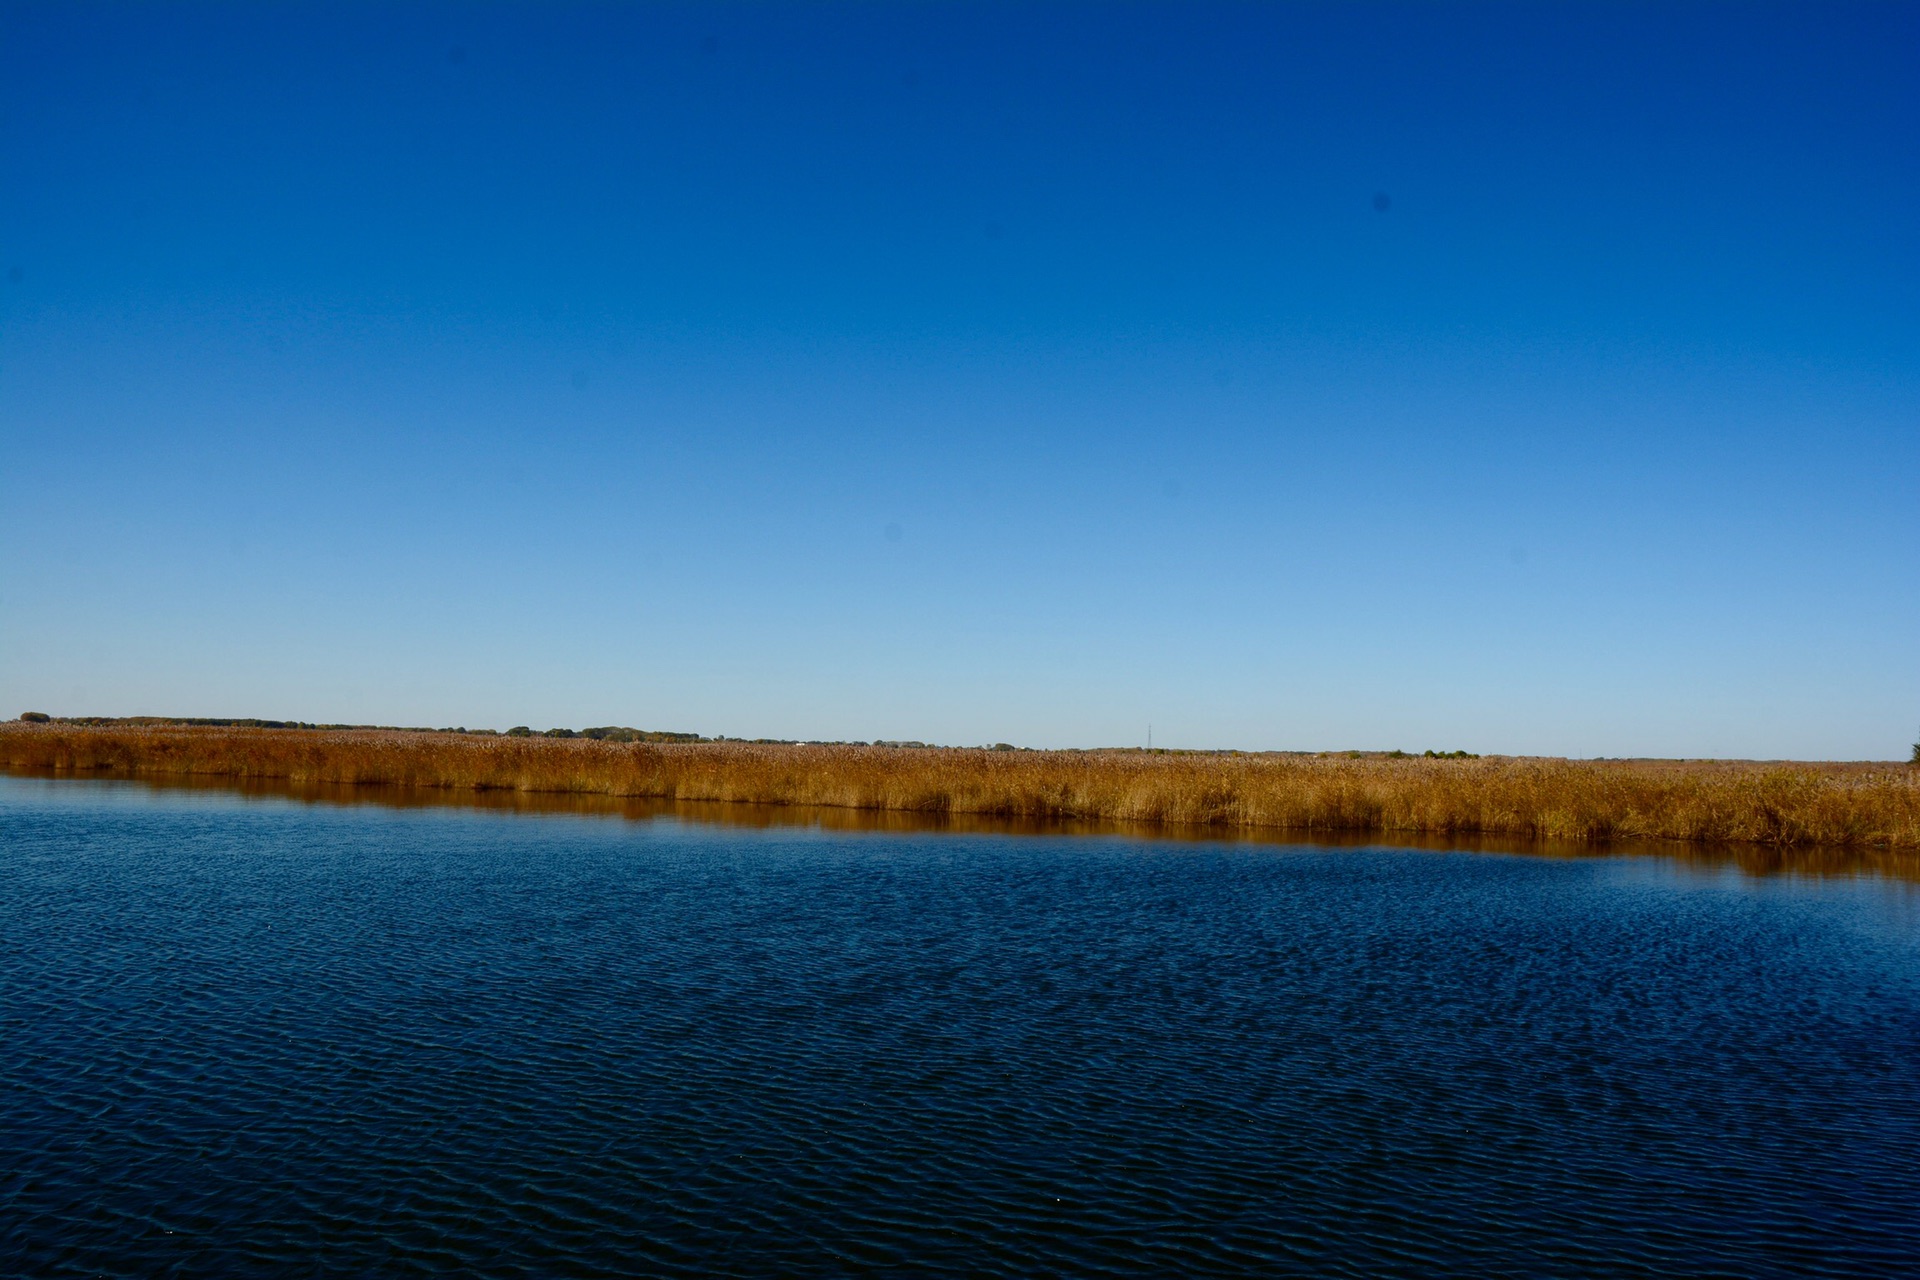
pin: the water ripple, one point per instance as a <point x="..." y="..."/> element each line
<point x="247" y="1039"/>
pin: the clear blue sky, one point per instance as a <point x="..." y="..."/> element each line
<point x="1534" y="378"/>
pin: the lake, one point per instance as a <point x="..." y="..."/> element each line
<point x="261" y="1036"/>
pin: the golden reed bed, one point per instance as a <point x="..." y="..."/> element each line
<point x="1846" y="805"/>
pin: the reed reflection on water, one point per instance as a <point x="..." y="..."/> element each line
<point x="1750" y="859"/>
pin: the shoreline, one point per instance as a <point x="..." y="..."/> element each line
<point x="1750" y="859"/>
<point x="1781" y="804"/>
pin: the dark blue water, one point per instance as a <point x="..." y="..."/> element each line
<point x="265" y="1038"/>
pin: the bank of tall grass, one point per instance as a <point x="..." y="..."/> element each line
<point x="1849" y="805"/>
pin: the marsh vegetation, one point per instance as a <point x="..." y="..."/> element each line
<point x="1859" y="805"/>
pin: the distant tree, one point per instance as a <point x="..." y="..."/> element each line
<point x="41" y="717"/>
<point x="520" y="731"/>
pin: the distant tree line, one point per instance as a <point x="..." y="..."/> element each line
<point x="606" y="733"/>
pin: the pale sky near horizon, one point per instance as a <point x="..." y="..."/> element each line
<point x="1534" y="379"/>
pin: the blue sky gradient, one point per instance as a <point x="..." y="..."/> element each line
<point x="1516" y="378"/>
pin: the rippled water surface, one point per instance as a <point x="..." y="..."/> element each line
<point x="260" y="1037"/>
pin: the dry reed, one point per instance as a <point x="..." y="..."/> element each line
<point x="1843" y="805"/>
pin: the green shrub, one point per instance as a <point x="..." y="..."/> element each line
<point x="519" y="731"/>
